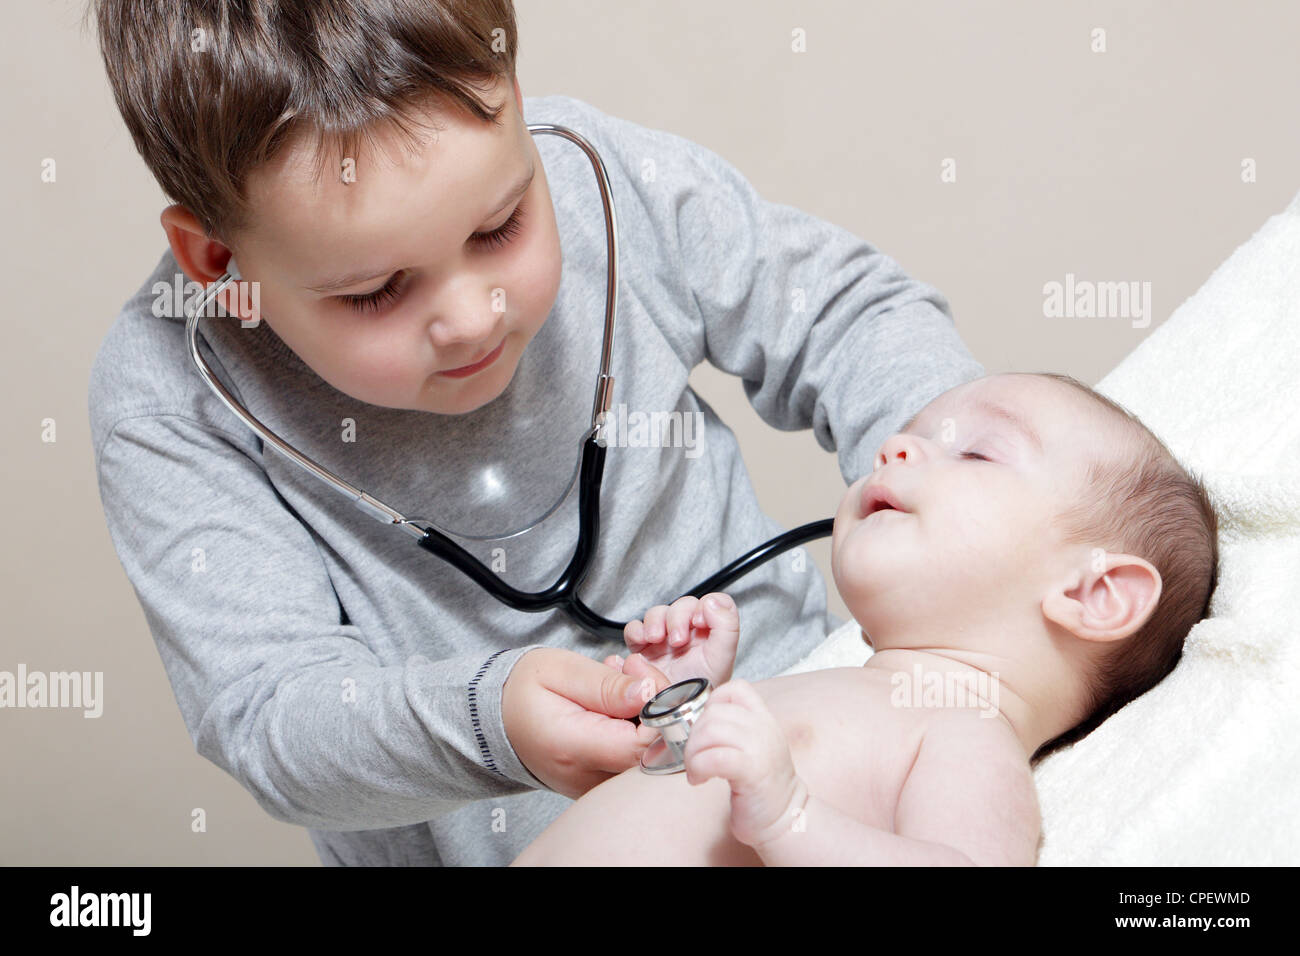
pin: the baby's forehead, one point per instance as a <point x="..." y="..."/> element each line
<point x="1023" y="394"/>
<point x="1055" y="412"/>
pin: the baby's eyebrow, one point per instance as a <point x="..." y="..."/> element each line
<point x="1013" y="419"/>
<point x="999" y="412"/>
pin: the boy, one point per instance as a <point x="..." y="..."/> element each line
<point x="1024" y="559"/>
<point x="431" y="289"/>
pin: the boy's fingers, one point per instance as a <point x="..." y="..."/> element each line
<point x="610" y="747"/>
<point x="639" y="667"/>
<point x="596" y="687"/>
<point x="632" y="635"/>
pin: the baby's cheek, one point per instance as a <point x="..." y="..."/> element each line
<point x="856" y="563"/>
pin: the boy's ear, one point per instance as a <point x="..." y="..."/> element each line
<point x="202" y="259"/>
<point x="1106" y="602"/>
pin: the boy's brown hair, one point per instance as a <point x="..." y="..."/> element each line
<point x="212" y="91"/>
<point x="1143" y="502"/>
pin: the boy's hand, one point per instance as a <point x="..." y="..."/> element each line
<point x="565" y="715"/>
<point x="693" y="638"/>
<point x="737" y="737"/>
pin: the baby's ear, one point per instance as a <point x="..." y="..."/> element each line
<point x="1111" y="599"/>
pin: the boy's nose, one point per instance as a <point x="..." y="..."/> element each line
<point x="467" y="329"/>
<point x="898" y="448"/>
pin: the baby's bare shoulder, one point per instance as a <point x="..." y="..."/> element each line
<point x="971" y="787"/>
<point x="981" y="734"/>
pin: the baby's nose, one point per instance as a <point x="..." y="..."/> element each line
<point x="900" y="448"/>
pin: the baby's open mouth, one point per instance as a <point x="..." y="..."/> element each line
<point x="876" y="497"/>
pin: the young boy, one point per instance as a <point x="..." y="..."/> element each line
<point x="432" y="287"/>
<point x="1024" y="559"/>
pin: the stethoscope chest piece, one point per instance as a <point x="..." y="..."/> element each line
<point x="672" y="711"/>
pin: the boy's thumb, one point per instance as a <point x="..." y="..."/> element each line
<point x="644" y="680"/>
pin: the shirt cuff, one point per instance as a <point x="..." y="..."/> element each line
<point x="484" y="690"/>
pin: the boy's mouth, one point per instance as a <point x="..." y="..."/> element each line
<point x="473" y="367"/>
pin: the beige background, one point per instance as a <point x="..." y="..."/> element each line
<point x="1122" y="165"/>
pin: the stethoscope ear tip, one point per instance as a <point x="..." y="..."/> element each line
<point x="232" y="269"/>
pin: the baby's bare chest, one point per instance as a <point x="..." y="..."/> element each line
<point x="850" y="743"/>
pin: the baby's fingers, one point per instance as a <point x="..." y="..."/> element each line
<point x="679" y="620"/>
<point x="653" y="631"/>
<point x="640" y="634"/>
<point x="741" y="693"/>
<point x="721" y="725"/>
<point x="726" y="762"/>
<point x="720" y="611"/>
<point x="634" y="636"/>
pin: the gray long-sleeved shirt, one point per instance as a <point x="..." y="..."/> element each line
<point x="349" y="680"/>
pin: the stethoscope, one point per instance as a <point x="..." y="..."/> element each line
<point x="563" y="593"/>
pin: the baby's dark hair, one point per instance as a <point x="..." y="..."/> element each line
<point x="210" y="91"/>
<point x="1142" y="501"/>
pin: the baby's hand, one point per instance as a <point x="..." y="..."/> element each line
<point x="737" y="737"/>
<point x="692" y="638"/>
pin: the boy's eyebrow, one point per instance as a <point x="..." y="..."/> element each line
<point x="518" y="189"/>
<point x="353" y="278"/>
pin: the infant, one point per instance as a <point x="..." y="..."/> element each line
<point x="1024" y="559"/>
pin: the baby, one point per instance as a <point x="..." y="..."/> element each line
<point x="1024" y="559"/>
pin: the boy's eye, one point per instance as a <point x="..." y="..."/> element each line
<point x="375" y="301"/>
<point x="974" y="454"/>
<point x="499" y="236"/>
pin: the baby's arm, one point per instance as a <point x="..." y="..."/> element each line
<point x="969" y="800"/>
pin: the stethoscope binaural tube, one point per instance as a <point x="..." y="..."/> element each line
<point x="360" y="499"/>
<point x="562" y="594"/>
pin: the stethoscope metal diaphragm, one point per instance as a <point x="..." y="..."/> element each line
<point x="672" y="712"/>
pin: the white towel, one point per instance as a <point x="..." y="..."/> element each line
<point x="1204" y="769"/>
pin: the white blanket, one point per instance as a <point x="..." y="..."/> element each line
<point x="1203" y="769"/>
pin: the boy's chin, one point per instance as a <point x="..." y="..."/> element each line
<point x="463" y="406"/>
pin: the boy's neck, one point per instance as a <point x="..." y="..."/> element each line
<point x="988" y="683"/>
